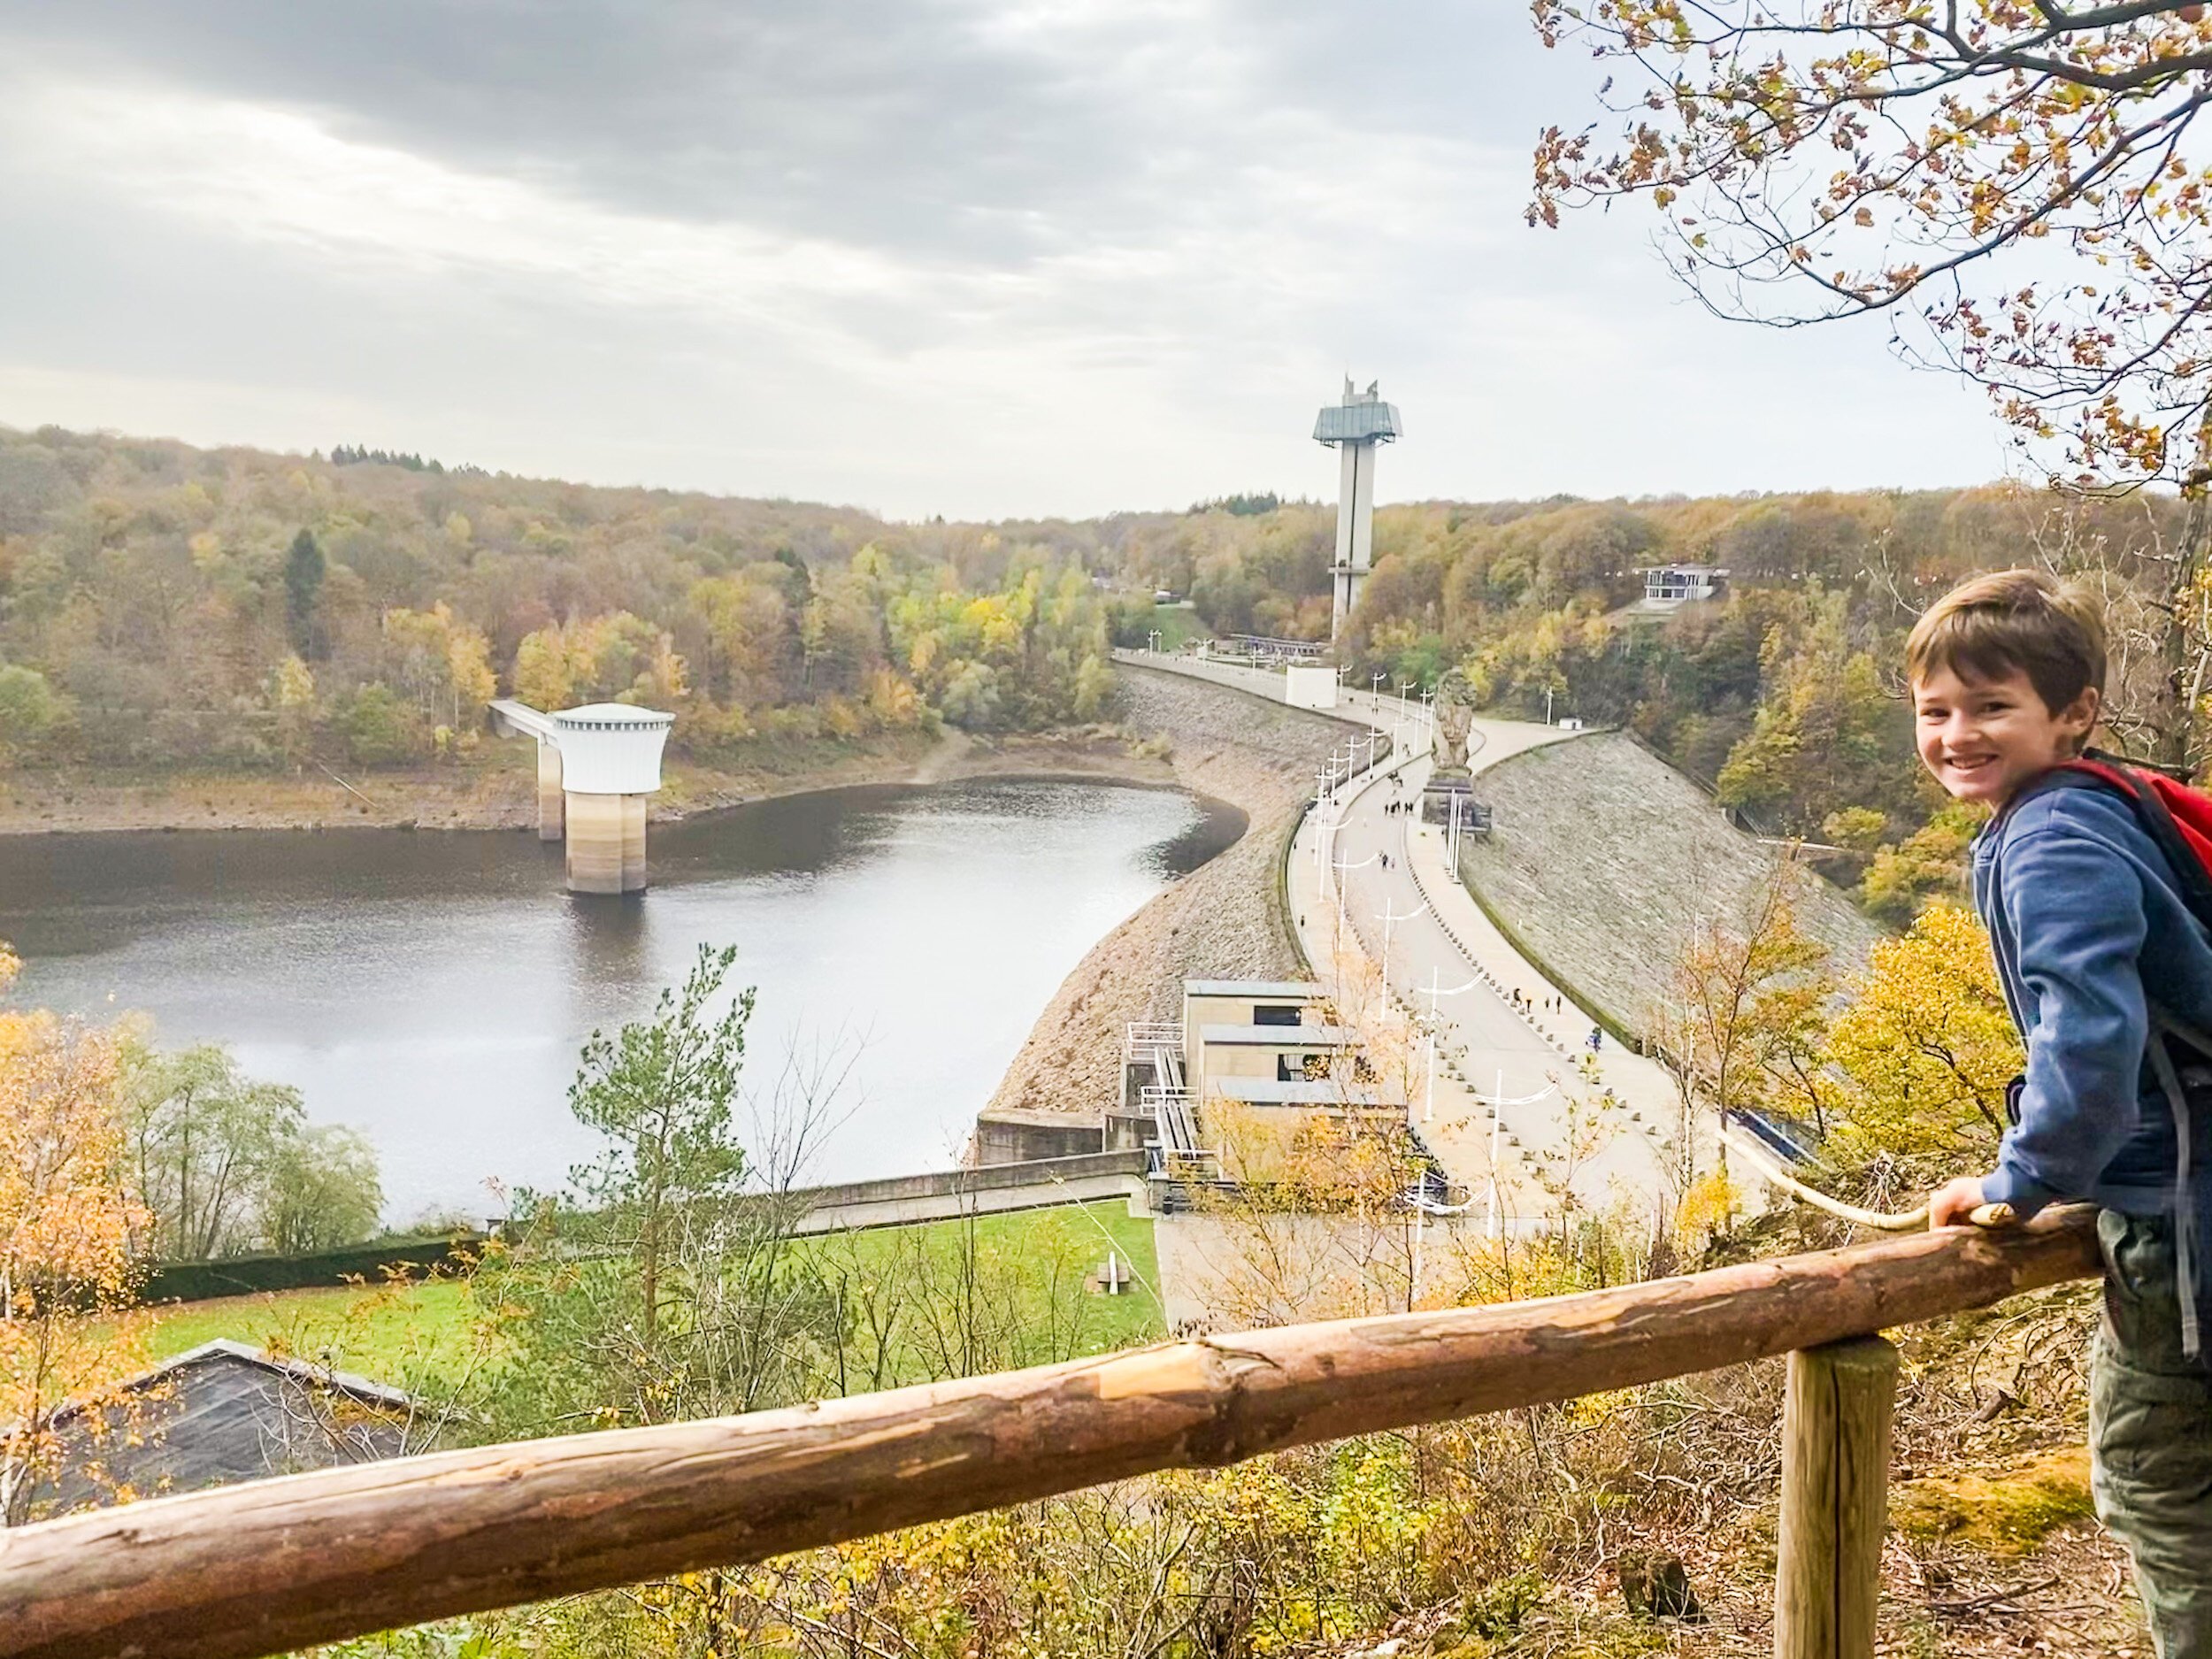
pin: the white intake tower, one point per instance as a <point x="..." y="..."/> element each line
<point x="595" y="766"/>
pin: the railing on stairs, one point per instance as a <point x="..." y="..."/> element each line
<point x="274" y="1565"/>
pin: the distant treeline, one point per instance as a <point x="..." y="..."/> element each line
<point x="1784" y="696"/>
<point x="167" y="606"/>
<point x="163" y="606"/>
<point x="354" y="455"/>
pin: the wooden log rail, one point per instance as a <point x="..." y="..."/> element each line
<point x="274" y="1565"/>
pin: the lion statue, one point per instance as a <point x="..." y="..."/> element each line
<point x="1455" y="714"/>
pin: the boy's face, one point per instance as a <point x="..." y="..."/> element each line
<point x="1984" y="738"/>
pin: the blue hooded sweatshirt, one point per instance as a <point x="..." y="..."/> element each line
<point x="2089" y="927"/>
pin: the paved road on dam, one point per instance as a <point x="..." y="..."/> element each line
<point x="1516" y="1080"/>
<point x="1600" y="1125"/>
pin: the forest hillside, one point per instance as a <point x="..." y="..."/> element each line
<point x="168" y="609"/>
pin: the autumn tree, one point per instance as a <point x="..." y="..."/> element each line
<point x="1924" y="1048"/>
<point x="443" y="661"/>
<point x="68" y="1221"/>
<point x="665" y="1283"/>
<point x="30" y="711"/>
<point x="615" y="657"/>
<point x="1739" y="1027"/>
<point x="621" y="1283"/>
<point x="1929" y="863"/>
<point x="1826" y="729"/>
<point x="660" y="1091"/>
<point x="320" y="1190"/>
<point x="227" y="1163"/>
<point x="2014" y="187"/>
<point x="202" y="1135"/>
<point x="291" y="693"/>
<point x="751" y="646"/>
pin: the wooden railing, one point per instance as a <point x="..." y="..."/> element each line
<point x="278" y="1564"/>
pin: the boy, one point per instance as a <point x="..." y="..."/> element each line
<point x="2091" y="934"/>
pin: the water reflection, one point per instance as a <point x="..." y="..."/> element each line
<point x="433" y="987"/>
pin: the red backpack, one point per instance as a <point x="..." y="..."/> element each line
<point x="2177" y="817"/>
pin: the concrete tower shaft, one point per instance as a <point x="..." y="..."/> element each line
<point x="1355" y="427"/>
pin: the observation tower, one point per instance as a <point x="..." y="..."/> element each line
<point x="1355" y="427"/>
<point x="595" y="766"/>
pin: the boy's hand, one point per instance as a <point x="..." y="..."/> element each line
<point x="1953" y="1203"/>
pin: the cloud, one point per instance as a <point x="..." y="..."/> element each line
<point x="963" y="256"/>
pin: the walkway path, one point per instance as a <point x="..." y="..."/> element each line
<point x="1513" y="1074"/>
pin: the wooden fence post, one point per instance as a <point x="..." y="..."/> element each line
<point x="1835" y="1498"/>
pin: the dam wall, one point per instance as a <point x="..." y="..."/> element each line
<point x="1603" y="859"/>
<point x="1223" y="921"/>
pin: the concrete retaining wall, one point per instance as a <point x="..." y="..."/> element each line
<point x="943" y="1194"/>
<point x="1026" y="1137"/>
<point x="1261" y="683"/>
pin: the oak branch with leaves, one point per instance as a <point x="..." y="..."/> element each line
<point x="2011" y="183"/>
<point x="1818" y="160"/>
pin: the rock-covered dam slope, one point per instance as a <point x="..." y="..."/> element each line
<point x="1603" y="858"/>
<point x="1222" y="921"/>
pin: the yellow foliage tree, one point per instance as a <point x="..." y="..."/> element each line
<point x="444" y="661"/>
<point x="1740" y="1026"/>
<point x="291" y="691"/>
<point x="1926" y="1047"/>
<point x="1930" y="862"/>
<point x="66" y="1225"/>
<point x="543" y="678"/>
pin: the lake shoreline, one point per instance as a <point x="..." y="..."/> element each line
<point x="433" y="991"/>
<point x="491" y="794"/>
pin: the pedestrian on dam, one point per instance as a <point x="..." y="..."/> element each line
<point x="2098" y="907"/>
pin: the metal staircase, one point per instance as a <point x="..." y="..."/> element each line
<point x="1157" y="1045"/>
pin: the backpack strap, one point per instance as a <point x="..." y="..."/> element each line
<point x="2096" y="770"/>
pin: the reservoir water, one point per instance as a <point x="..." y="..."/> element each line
<point x="431" y="989"/>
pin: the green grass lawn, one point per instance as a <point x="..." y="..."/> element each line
<point x="394" y="1335"/>
<point x="388" y="1336"/>
<point x="1178" y="625"/>
<point x="1077" y="1233"/>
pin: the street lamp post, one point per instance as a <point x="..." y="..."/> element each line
<point x="1435" y="993"/>
<point x="1497" y="1103"/>
<point x="1390" y="921"/>
<point x="1497" y="1123"/>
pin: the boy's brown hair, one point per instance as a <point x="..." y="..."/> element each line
<point x="2025" y="621"/>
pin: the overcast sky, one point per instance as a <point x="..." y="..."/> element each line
<point x="963" y="256"/>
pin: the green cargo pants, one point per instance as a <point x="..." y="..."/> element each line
<point x="2150" y="1435"/>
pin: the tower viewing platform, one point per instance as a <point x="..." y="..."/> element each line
<point x="1355" y="427"/>
<point x="595" y="766"/>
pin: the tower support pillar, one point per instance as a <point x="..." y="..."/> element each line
<point x="1354" y="426"/>
<point x="551" y="799"/>
<point x="606" y="843"/>
<point x="1354" y="529"/>
<point x="633" y="843"/>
